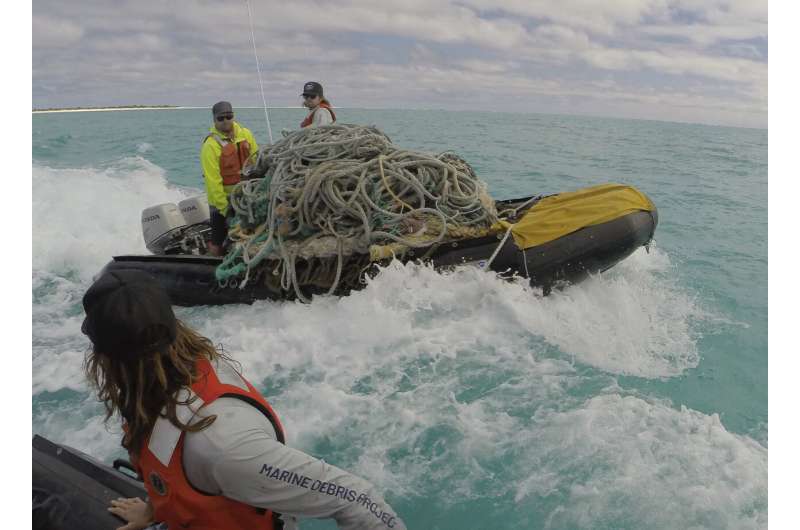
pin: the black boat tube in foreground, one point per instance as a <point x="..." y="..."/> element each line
<point x="73" y="490"/>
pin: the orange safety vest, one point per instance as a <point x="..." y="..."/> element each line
<point x="160" y="461"/>
<point x="232" y="159"/>
<point x="306" y="122"/>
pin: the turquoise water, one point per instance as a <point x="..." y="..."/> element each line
<point x="637" y="399"/>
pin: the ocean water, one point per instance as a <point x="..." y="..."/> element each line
<point x="637" y="399"/>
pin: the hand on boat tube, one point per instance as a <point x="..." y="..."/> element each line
<point x="136" y="512"/>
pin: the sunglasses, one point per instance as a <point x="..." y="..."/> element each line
<point x="307" y="96"/>
<point x="225" y="117"/>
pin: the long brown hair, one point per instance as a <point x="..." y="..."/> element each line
<point x="138" y="389"/>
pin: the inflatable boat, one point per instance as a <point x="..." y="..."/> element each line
<point x="73" y="490"/>
<point x="550" y="240"/>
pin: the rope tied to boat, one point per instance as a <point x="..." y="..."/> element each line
<point x="339" y="191"/>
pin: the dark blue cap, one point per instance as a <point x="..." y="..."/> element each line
<point x="312" y="88"/>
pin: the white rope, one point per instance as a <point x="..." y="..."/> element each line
<point x="524" y="204"/>
<point x="497" y="250"/>
<point x="258" y="67"/>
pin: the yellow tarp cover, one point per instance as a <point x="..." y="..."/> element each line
<point x="562" y="214"/>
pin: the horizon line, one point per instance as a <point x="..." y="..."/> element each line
<point x="180" y="107"/>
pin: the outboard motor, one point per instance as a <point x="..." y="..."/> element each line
<point x="198" y="225"/>
<point x="160" y="225"/>
<point x="195" y="210"/>
<point x="181" y="229"/>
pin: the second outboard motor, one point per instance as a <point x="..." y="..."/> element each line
<point x="195" y="210"/>
<point x="198" y="227"/>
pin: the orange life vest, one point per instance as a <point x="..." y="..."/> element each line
<point x="232" y="159"/>
<point x="306" y="122"/>
<point x="160" y="460"/>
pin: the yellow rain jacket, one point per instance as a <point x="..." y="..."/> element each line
<point x="209" y="159"/>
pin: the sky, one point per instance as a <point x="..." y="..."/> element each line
<point x="702" y="61"/>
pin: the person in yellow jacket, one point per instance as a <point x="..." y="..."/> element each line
<point x="226" y="150"/>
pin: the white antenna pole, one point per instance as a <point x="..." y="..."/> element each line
<point x="258" y="67"/>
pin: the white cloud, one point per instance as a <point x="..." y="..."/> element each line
<point x="55" y="33"/>
<point x="599" y="17"/>
<point x="705" y="34"/>
<point x="489" y="67"/>
<point x="678" y="63"/>
<point x="130" y="43"/>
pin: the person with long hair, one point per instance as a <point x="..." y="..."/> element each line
<point x="208" y="446"/>
<point x="319" y="108"/>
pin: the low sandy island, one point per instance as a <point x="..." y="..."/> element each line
<point x="108" y="109"/>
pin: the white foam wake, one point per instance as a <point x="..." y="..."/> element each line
<point x="81" y="217"/>
<point x="623" y="461"/>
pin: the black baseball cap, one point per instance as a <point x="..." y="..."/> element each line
<point x="128" y="314"/>
<point x="312" y="88"/>
<point x="222" y="107"/>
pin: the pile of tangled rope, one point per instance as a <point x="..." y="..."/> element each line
<point x="342" y="190"/>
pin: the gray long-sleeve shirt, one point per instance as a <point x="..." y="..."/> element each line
<point x="238" y="456"/>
